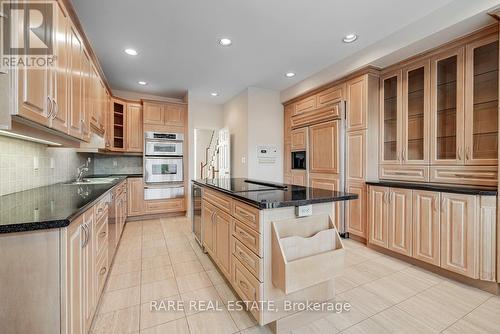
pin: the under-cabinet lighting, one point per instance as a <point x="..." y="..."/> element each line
<point x="28" y="138"/>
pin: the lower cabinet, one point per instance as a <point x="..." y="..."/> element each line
<point x="328" y="182"/>
<point x="356" y="210"/>
<point x="75" y="240"/>
<point x="208" y="228"/>
<point x="454" y="231"/>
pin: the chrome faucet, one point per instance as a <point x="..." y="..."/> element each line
<point x="83" y="169"/>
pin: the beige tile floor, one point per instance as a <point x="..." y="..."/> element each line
<point x="159" y="259"/>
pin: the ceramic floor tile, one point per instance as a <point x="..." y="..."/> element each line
<point x="485" y="319"/>
<point x="346" y="318"/>
<point x="215" y="277"/>
<point x="184" y="256"/>
<point x="367" y="302"/>
<point x="201" y="300"/>
<point x="206" y="262"/>
<point x="211" y="322"/>
<point x="225" y="293"/>
<point x="257" y="330"/>
<point x="367" y="326"/>
<point x="193" y="282"/>
<point x="187" y="268"/>
<point x="120" y="299"/>
<point x="321" y="326"/>
<point x="126" y="267"/>
<point x="155" y="262"/>
<point x="122" y="281"/>
<point x="160" y="313"/>
<point x="158" y="290"/>
<point x="242" y="318"/>
<point x="394" y="320"/>
<point x="154" y="251"/>
<point x="179" y="326"/>
<point x="117" y="322"/>
<point x="157" y="274"/>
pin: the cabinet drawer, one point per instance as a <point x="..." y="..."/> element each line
<point x="404" y="173"/>
<point x="101" y="208"/>
<point x="248" y="259"/>
<point x="307" y="104"/>
<point x="329" y="96"/>
<point x="101" y="272"/>
<point x="221" y="201"/>
<point x="247" y="215"/>
<point x="247" y="286"/>
<point x="101" y="236"/>
<point x="161" y="206"/>
<point x="472" y="175"/>
<point x="317" y="116"/>
<point x="247" y="236"/>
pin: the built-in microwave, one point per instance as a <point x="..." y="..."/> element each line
<point x="159" y="170"/>
<point x="299" y="160"/>
<point x="163" y="148"/>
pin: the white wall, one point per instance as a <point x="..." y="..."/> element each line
<point x="265" y="127"/>
<point x="236" y="120"/>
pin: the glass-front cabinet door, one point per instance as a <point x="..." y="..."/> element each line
<point x="447" y="108"/>
<point x="481" y="102"/>
<point x="390" y="129"/>
<point x="416" y="84"/>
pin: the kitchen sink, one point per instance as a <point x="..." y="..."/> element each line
<point x="94" y="180"/>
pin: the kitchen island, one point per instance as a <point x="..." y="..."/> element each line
<point x="275" y="243"/>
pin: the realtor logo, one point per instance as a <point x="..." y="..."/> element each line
<point x="27" y="33"/>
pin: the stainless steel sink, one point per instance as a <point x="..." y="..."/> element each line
<point x="94" y="180"/>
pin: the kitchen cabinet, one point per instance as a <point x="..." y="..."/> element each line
<point x="299" y="139"/>
<point x="89" y="296"/>
<point x="174" y="114"/>
<point x="324" y="149"/>
<point x="299" y="177"/>
<point x="76" y="237"/>
<point x="76" y="98"/>
<point x="426" y="226"/>
<point x="356" y="156"/>
<point x="328" y="182"/>
<point x="164" y="113"/>
<point x="287" y="124"/>
<point x="305" y="105"/>
<point x="357" y="104"/>
<point x="378" y="215"/>
<point x="400" y="221"/>
<point x="287" y="160"/>
<point x="153" y="113"/>
<point x="118" y="127"/>
<point x="135" y="196"/>
<point x="87" y="89"/>
<point x="209" y="230"/>
<point x="134" y="133"/>
<point x="355" y="216"/>
<point x="330" y="96"/>
<point x="222" y="239"/>
<point x="459" y="238"/>
<point x="390" y="117"/>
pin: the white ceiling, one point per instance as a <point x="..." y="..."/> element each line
<point x="177" y="40"/>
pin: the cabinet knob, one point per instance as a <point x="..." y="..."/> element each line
<point x="103" y="271"/>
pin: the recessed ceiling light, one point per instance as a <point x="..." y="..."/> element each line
<point x="214" y="94"/>
<point x="142" y="83"/>
<point x="349" y="38"/>
<point x="225" y="42"/>
<point x="131" y="52"/>
<point x="289" y="74"/>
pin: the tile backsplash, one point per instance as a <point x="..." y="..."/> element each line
<point x="115" y="164"/>
<point x="18" y="159"/>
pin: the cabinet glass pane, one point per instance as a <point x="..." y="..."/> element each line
<point x="390" y="118"/>
<point x="446" y="140"/>
<point x="415" y="109"/>
<point x="485" y="108"/>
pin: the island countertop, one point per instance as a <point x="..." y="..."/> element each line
<point x="271" y="195"/>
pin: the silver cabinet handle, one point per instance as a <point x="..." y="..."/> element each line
<point x="399" y="156"/>
<point x="50" y="107"/>
<point x="403" y="154"/>
<point x="435" y="204"/>
<point x="84" y="229"/>
<point x="56" y="108"/>
<point x="459" y="153"/>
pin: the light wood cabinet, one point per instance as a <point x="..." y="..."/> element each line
<point x="174" y="114"/>
<point x="459" y="234"/>
<point x="299" y="177"/>
<point x="223" y="232"/>
<point x="356" y="163"/>
<point x="299" y="139"/>
<point x="426" y="226"/>
<point x="330" y="96"/>
<point x="87" y="91"/>
<point x="208" y="226"/>
<point x="305" y="105"/>
<point x="135" y="196"/>
<point x="390" y="117"/>
<point x="400" y="221"/>
<point x="324" y="149"/>
<point x="287" y="159"/>
<point x="75" y="277"/>
<point x="164" y="113"/>
<point x="76" y="99"/>
<point x="355" y="216"/>
<point x="287" y="123"/>
<point x="133" y="122"/>
<point x="357" y="104"/>
<point x="378" y="215"/>
<point x="153" y="113"/>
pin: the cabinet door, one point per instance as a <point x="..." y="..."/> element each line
<point x="426" y="226"/>
<point x="75" y="78"/>
<point x="356" y="156"/>
<point x="356" y="210"/>
<point x="378" y="216"/>
<point x="135" y="196"/>
<point x="299" y="178"/>
<point x="400" y="221"/>
<point x="287" y="124"/>
<point x="459" y="234"/>
<point x="328" y="182"/>
<point x="447" y="108"/>
<point x="329" y="96"/>
<point x="357" y="103"/>
<point x="307" y="104"/>
<point x="390" y="118"/>
<point x="59" y="74"/>
<point x="416" y="107"/>
<point x="87" y="96"/>
<point x="153" y="113"/>
<point x="208" y="226"/>
<point x="74" y="276"/>
<point x="89" y="298"/>
<point x="299" y="139"/>
<point x="287" y="158"/>
<point x="133" y="122"/>
<point x="481" y="102"/>
<point x="223" y="242"/>
<point x="324" y="148"/>
<point x="174" y="114"/>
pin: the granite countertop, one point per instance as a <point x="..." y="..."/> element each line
<point x="440" y="187"/>
<point x="52" y="206"/>
<point x="282" y="196"/>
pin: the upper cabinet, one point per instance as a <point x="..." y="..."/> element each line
<point x="164" y="113"/>
<point x="304" y="105"/>
<point x="134" y="134"/>
<point x="391" y="117"/>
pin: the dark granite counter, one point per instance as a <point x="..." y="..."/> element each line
<point x="447" y="188"/>
<point x="273" y="195"/>
<point x="53" y="206"/>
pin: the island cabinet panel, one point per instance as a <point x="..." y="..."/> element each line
<point x="426" y="226"/>
<point x="135" y="197"/>
<point x="324" y="148"/>
<point x="400" y="221"/>
<point x="75" y="78"/>
<point x="246" y="214"/>
<point x="378" y="215"/>
<point x="390" y="118"/>
<point x="207" y="220"/>
<point x="174" y="114"/>
<point x="223" y="238"/>
<point x="459" y="234"/>
<point x="356" y="209"/>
